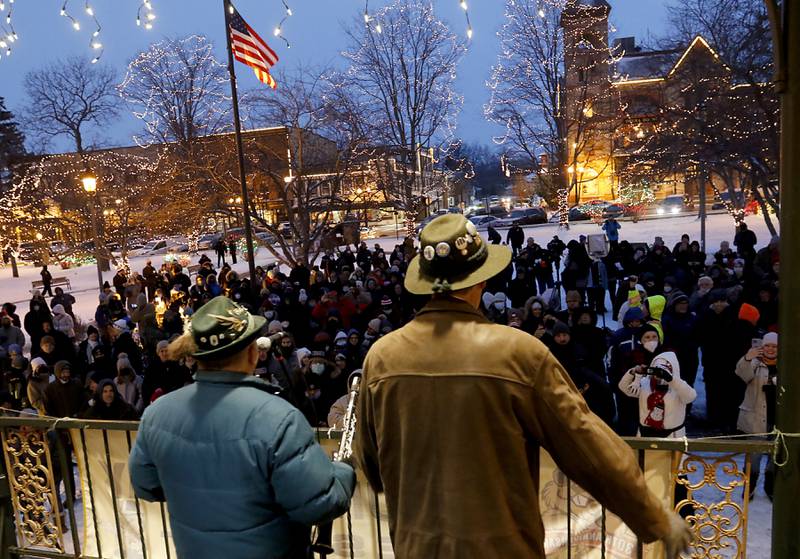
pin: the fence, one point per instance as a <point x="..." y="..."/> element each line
<point x="706" y="481"/>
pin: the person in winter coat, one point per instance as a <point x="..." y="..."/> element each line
<point x="611" y="228"/>
<point x="163" y="373"/>
<point x="10" y="310"/>
<point x="129" y="384"/>
<point x="515" y="237"/>
<point x="47" y="279"/>
<point x="654" y="306"/>
<point x="64" y="299"/>
<point x="680" y="335"/>
<point x="591" y="340"/>
<point x="758" y="368"/>
<point x="40" y="379"/>
<point x="662" y="395"/>
<point x="745" y="241"/>
<point x="590" y="382"/>
<point x="108" y="404"/>
<point x="714" y="327"/>
<point x="232" y="250"/>
<point x="39" y="313"/>
<point x="253" y="456"/>
<point x="625" y="352"/>
<point x="576" y="268"/>
<point x="9" y="335"/>
<point x="63" y="322"/>
<point x="64" y="397"/>
<point x="493" y="235"/>
<point x="85" y="356"/>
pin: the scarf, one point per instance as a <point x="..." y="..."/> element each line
<point x="655" y="406"/>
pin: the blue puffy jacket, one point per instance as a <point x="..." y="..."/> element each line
<point x="239" y="469"/>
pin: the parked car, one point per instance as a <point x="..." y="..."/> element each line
<point x="207" y="241"/>
<point x="482" y="222"/>
<point x="739" y="200"/>
<point x="671" y="205"/>
<point x="522" y="216"/>
<point x="161" y="246"/>
<point x="614" y="210"/>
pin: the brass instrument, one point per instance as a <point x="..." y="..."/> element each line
<point x="325" y="531"/>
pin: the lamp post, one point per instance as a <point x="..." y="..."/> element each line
<point x="90" y="186"/>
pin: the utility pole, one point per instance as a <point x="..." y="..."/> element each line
<point x="785" y="21"/>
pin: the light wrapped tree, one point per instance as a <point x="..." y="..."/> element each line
<point x="400" y="86"/>
<point x="551" y="92"/>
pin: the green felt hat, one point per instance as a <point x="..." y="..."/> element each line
<point x="222" y="328"/>
<point x="453" y="256"/>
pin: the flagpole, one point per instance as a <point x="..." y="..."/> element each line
<point x="248" y="232"/>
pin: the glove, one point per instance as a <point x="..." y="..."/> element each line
<point x="678" y="538"/>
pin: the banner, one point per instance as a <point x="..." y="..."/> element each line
<point x="561" y="499"/>
<point x="144" y="527"/>
<point x="142" y="524"/>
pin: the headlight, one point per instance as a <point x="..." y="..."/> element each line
<point x="660" y="211"/>
<point x="676" y="210"/>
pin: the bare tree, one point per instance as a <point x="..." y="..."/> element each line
<point x="305" y="175"/>
<point x="400" y="85"/>
<point x="177" y="87"/>
<point x="550" y="90"/>
<point x="739" y="31"/>
<point x="67" y="98"/>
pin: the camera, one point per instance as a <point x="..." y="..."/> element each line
<point x="659" y="373"/>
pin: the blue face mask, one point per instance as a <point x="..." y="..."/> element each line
<point x="317" y="368"/>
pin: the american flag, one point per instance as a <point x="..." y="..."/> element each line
<point x="248" y="48"/>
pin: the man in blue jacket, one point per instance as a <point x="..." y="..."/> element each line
<point x="239" y="468"/>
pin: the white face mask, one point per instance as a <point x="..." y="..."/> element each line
<point x="318" y="368"/>
<point x="667" y="288"/>
<point x="651" y="345"/>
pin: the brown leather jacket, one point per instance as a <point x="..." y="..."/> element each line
<point x="450" y="420"/>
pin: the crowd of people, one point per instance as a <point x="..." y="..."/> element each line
<point x="718" y="311"/>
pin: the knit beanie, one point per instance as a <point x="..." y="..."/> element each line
<point x="749" y="313"/>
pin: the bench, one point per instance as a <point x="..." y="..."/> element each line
<point x="56" y="282"/>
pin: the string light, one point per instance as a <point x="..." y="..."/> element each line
<point x="463" y="4"/>
<point x="278" y="31"/>
<point x="7" y="31"/>
<point x="145" y="15"/>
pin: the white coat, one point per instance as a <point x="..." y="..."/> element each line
<point x="753" y="409"/>
<point x="679" y="395"/>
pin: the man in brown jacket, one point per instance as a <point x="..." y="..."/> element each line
<point x="453" y="412"/>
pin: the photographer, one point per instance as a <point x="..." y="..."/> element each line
<point x="759" y="369"/>
<point x="663" y="396"/>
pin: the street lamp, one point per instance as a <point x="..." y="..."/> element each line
<point x="90" y="186"/>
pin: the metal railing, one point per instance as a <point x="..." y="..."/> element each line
<point x="706" y="481"/>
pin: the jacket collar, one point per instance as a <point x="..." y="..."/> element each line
<point x="450" y="305"/>
<point x="226" y="377"/>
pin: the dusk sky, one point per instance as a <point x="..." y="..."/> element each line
<point x="314" y="31"/>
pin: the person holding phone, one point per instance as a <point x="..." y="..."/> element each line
<point x="759" y="369"/>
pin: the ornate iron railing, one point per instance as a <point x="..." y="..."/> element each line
<point x="706" y="481"/>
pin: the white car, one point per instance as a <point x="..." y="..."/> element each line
<point x="482" y="222"/>
<point x="161" y="246"/>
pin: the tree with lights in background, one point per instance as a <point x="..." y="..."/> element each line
<point x="550" y="91"/>
<point x="12" y="154"/>
<point x="718" y="119"/>
<point x="400" y="84"/>
<point x="179" y="90"/>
